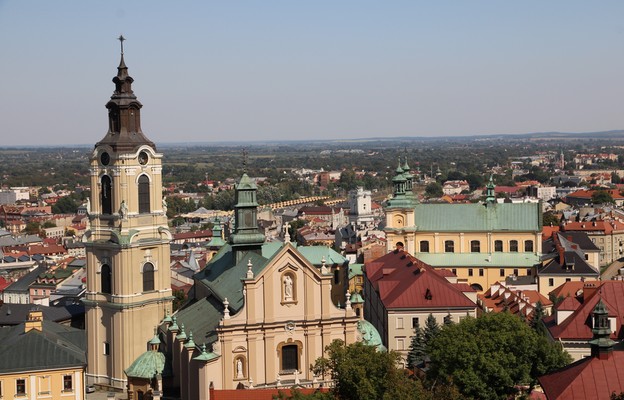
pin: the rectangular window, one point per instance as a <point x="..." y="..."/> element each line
<point x="400" y="344"/>
<point x="586" y="257"/>
<point x="399" y="323"/>
<point x="516" y="271"/>
<point x="454" y="271"/>
<point x="502" y="272"/>
<point x="551" y="282"/>
<point x="528" y="245"/>
<point x="475" y="246"/>
<point x="68" y="383"/>
<point x="415" y="323"/>
<point x="513" y="245"/>
<point x="529" y="272"/>
<point x="449" y="246"/>
<point x="568" y="279"/>
<point x="424" y="246"/>
<point x="290" y="359"/>
<point x="469" y="271"/>
<point x="106" y="348"/>
<point x="481" y="271"/>
<point x="498" y="245"/>
<point x="20" y="387"/>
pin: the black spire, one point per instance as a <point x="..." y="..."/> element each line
<point x="124" y="113"/>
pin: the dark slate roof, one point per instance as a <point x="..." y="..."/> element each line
<point x="202" y="318"/>
<point x="57" y="346"/>
<point x="581" y="239"/>
<point x="14" y="314"/>
<point x="572" y="264"/>
<point x="25" y="281"/>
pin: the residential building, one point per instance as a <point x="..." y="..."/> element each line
<point x="607" y="235"/>
<point x="598" y="376"/>
<point x="40" y="359"/>
<point x="455" y="187"/>
<point x="400" y="292"/>
<point x="571" y="322"/>
<point x="502" y="297"/>
<point x="564" y="261"/>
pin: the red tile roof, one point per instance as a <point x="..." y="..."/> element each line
<point x="588" y="378"/>
<point x="257" y="394"/>
<point x="576" y="326"/>
<point x="595" y="226"/>
<point x="403" y="281"/>
<point x="571" y="288"/>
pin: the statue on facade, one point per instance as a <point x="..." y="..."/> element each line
<point x="123" y="210"/>
<point x="239" y="369"/>
<point x="288" y="288"/>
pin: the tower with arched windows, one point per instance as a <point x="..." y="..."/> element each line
<point x="128" y="276"/>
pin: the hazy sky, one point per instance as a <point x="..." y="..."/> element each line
<point x="241" y="70"/>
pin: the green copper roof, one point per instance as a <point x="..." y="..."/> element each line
<point x="315" y="255"/>
<point x="155" y="340"/>
<point x="369" y="334"/>
<point x="355" y="270"/>
<point x="496" y="217"/>
<point x="246" y="183"/>
<point x="205" y="356"/>
<point x="356" y="298"/>
<point x="496" y="260"/>
<point x="148" y="364"/>
<point x="202" y="317"/>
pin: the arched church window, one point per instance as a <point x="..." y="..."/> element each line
<point x="148" y="277"/>
<point x="106" y="278"/>
<point x="107" y="195"/>
<point x="144" y="194"/>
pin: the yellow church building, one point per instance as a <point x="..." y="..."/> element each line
<point x="481" y="243"/>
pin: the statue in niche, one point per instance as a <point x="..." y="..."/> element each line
<point x="288" y="288"/>
<point x="123" y="210"/>
<point x="239" y="369"/>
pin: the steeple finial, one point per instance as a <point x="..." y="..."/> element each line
<point x="121" y="40"/>
<point x="245" y="160"/>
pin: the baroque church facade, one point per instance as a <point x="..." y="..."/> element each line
<point x="259" y="314"/>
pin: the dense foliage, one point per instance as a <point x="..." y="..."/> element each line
<point x="489" y="356"/>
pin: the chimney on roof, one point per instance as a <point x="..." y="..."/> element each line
<point x="34" y="321"/>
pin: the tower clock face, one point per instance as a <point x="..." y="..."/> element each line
<point x="105" y="158"/>
<point x="143" y="158"/>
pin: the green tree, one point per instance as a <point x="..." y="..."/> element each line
<point x="538" y="315"/>
<point x="179" y="299"/>
<point x="550" y="219"/>
<point x="487" y="357"/>
<point x="431" y="330"/>
<point x="434" y="189"/>
<point x="32" y="228"/>
<point x="602" y="197"/>
<point x="362" y="372"/>
<point x="418" y="348"/>
<point x="48" y="224"/>
<point x="67" y="205"/>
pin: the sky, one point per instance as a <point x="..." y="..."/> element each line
<point x="209" y="71"/>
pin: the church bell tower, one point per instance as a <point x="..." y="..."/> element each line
<point x="128" y="275"/>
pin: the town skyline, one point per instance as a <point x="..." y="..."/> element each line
<point x="279" y="71"/>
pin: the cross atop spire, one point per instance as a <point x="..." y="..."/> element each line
<point x="121" y="40"/>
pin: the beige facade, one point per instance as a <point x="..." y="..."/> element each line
<point x="127" y="245"/>
<point x="287" y="319"/>
<point x="57" y="384"/>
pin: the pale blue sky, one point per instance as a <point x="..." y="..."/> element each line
<point x="241" y="70"/>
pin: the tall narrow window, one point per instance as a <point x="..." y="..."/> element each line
<point x="498" y="245"/>
<point x="107" y="195"/>
<point x="68" y="383"/>
<point x="106" y="279"/>
<point x="528" y="245"/>
<point x="424" y="246"/>
<point x="449" y="246"/>
<point x="20" y="387"/>
<point x="144" y="194"/>
<point x="475" y="246"/>
<point x="513" y="245"/>
<point x="336" y="277"/>
<point x="148" y="277"/>
<point x="290" y="358"/>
